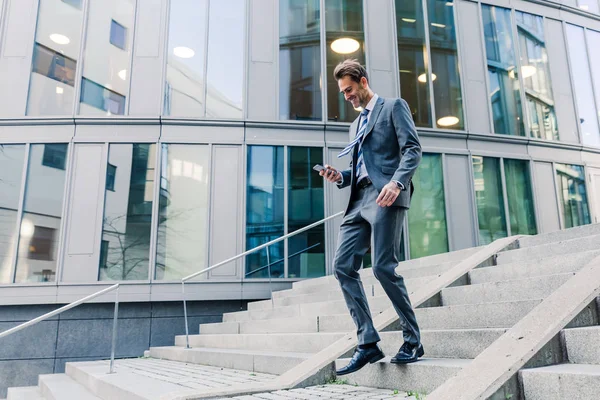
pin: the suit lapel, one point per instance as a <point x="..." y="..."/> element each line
<point x="374" y="115"/>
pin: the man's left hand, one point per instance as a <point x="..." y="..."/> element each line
<point x="388" y="195"/>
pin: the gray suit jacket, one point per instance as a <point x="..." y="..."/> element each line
<point x="391" y="148"/>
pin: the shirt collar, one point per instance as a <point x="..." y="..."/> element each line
<point x="372" y="102"/>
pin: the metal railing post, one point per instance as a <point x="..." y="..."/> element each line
<point x="269" y="269"/>
<point x="185" y="317"/>
<point x="114" y="333"/>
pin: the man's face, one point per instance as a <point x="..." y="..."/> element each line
<point x="354" y="92"/>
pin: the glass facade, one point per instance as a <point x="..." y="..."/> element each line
<point x="300" y="60"/>
<point x="12" y="159"/>
<point x="584" y="90"/>
<point x="412" y="58"/>
<point x="40" y="226"/>
<point x="345" y="38"/>
<point x="267" y="217"/>
<point x="493" y="177"/>
<point x="205" y="59"/>
<point x="490" y="201"/>
<point x="55" y="56"/>
<point x="572" y="195"/>
<point x="128" y="213"/>
<point x="107" y="57"/>
<point x="183" y="210"/>
<point x="265" y="211"/>
<point x="535" y="73"/>
<point x="447" y="91"/>
<point x="503" y="72"/>
<point x="427" y="229"/>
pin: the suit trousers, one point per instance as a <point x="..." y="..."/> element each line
<point x="365" y="220"/>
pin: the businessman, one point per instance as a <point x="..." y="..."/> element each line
<point x="385" y="152"/>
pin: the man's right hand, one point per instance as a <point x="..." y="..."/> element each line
<point x="331" y="174"/>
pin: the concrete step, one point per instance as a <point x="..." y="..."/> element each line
<point x="455" y="256"/>
<point x="527" y="269"/>
<point x="557" y="236"/>
<point x="268" y="362"/>
<point x="63" y="387"/>
<point x="422" y="376"/>
<point x="469" y="316"/>
<point x="563" y="381"/>
<point x="560" y="248"/>
<point x="583" y="345"/>
<point x="152" y="379"/>
<point x="493" y="292"/>
<point x="24" y="393"/>
<point x="454" y="343"/>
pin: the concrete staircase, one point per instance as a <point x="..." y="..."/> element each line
<point x="273" y="336"/>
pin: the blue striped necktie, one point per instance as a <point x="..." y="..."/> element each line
<point x="357" y="139"/>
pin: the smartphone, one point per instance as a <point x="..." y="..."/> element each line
<point x="318" y="167"/>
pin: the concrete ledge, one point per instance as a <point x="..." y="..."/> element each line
<point x="495" y="365"/>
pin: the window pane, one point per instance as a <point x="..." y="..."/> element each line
<point x="412" y="52"/>
<point x="42" y="214"/>
<point x="184" y="91"/>
<point x="536" y="76"/>
<point x="183" y="211"/>
<point x="520" y="197"/>
<point x="300" y="60"/>
<point x="444" y="62"/>
<point x="344" y="27"/>
<point x="128" y="212"/>
<point x="427" y="213"/>
<point x="305" y="195"/>
<point x="55" y="55"/>
<point x="490" y="203"/>
<point x="584" y="91"/>
<point x="505" y="88"/>
<point x="11" y="169"/>
<point x="572" y="194"/>
<point x="55" y="156"/>
<point x="225" y="65"/>
<point x="105" y="82"/>
<point x="593" y="40"/>
<point x="589" y="5"/>
<point x="265" y="210"/>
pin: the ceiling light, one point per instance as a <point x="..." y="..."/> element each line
<point x="438" y="25"/>
<point x="405" y="71"/>
<point x="59" y="90"/>
<point x="345" y="45"/>
<point x="409" y="20"/>
<point x="183" y="52"/>
<point x="448" y="121"/>
<point x="423" y="78"/>
<point x="27" y="228"/>
<point x="584" y="7"/>
<point x="449" y="4"/>
<point x="528" y="70"/>
<point x="60" y="39"/>
<point x="123" y="74"/>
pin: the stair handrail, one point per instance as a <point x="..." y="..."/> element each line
<point x="75" y="304"/>
<point x="260" y="247"/>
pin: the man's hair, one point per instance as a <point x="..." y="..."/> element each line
<point x="351" y="68"/>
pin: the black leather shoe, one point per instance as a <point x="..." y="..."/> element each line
<point x="360" y="358"/>
<point x="408" y="354"/>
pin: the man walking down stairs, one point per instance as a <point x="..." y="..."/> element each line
<point x="256" y="348"/>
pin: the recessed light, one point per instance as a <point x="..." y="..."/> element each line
<point x="449" y="4"/>
<point x="59" y="90"/>
<point x="123" y="74"/>
<point x="584" y="7"/>
<point x="438" y="25"/>
<point x="448" y="121"/>
<point x="423" y="78"/>
<point x="409" y="20"/>
<point x="345" y="45"/>
<point x="183" y="52"/>
<point x="59" y="39"/>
